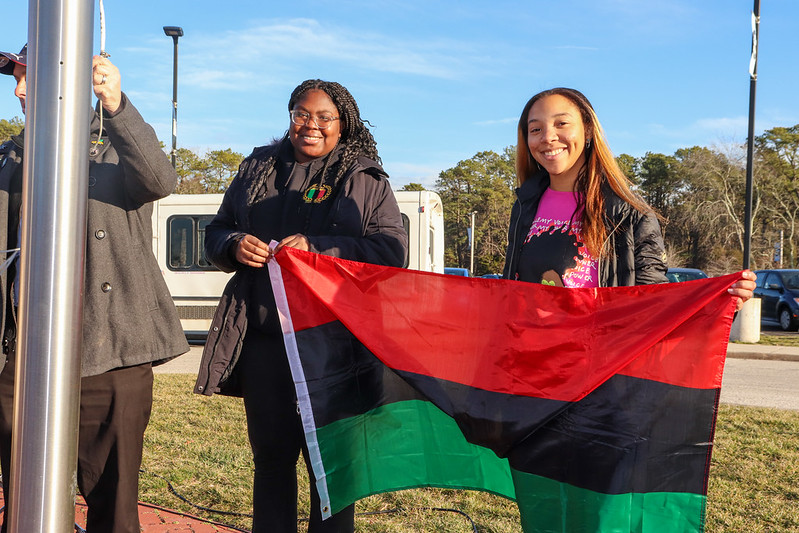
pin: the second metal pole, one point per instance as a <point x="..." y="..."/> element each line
<point x="750" y="144"/>
<point x="175" y="103"/>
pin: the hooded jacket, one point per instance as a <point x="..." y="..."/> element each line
<point x="128" y="314"/>
<point x="363" y="223"/>
<point x="637" y="253"/>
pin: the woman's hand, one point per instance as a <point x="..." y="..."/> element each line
<point x="743" y="288"/>
<point x="298" y="241"/>
<point x="253" y="252"/>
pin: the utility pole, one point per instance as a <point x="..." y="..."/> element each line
<point x="471" y="244"/>
<point x="750" y="144"/>
<point x="175" y="32"/>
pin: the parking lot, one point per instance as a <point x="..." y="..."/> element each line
<point x="776" y="331"/>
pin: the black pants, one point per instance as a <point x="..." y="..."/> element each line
<point x="276" y="438"/>
<point x="114" y="412"/>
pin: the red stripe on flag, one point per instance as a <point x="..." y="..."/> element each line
<point x="514" y="337"/>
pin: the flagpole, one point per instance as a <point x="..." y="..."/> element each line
<point x="53" y="231"/>
<point x="750" y="144"/>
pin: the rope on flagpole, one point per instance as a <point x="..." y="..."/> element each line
<point x="94" y="149"/>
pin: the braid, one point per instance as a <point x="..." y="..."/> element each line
<point x="262" y="161"/>
<point x="356" y="139"/>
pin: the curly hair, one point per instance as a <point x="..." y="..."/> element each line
<point x="600" y="168"/>
<point x="356" y="139"/>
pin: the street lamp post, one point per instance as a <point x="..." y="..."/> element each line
<point x="750" y="142"/>
<point x="175" y="32"/>
<point x="471" y="244"/>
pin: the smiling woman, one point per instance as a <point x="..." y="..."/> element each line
<point x="314" y="128"/>
<point x="577" y="222"/>
<point x="320" y="188"/>
<point x="556" y="137"/>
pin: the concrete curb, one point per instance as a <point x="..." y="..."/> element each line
<point x="737" y="350"/>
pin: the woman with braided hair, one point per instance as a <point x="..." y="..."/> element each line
<point x="319" y="188"/>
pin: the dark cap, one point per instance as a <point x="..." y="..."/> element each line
<point x="7" y="60"/>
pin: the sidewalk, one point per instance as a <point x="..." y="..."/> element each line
<point x="188" y="363"/>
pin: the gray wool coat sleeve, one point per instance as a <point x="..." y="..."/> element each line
<point x="129" y="317"/>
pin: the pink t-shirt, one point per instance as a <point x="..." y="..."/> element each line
<point x="553" y="252"/>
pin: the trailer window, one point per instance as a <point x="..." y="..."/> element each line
<point x="186" y="242"/>
<point x="201" y="259"/>
<point x="406" y="223"/>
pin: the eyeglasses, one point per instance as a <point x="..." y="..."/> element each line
<point x="301" y="118"/>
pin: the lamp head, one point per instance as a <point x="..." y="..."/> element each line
<point x="173" y="31"/>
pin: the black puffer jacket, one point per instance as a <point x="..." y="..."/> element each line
<point x="363" y="224"/>
<point x="638" y="256"/>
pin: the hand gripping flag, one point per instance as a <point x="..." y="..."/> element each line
<point x="593" y="409"/>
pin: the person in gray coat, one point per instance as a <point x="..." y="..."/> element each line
<point x="129" y="320"/>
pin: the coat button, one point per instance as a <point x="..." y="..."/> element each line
<point x="100" y="233"/>
<point x="106" y="287"/>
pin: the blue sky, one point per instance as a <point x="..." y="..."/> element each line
<point x="442" y="80"/>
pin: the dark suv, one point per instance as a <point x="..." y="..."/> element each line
<point x="778" y="291"/>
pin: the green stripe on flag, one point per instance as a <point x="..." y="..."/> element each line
<point x="405" y="445"/>
<point x="549" y="506"/>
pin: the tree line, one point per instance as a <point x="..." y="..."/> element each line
<point x="699" y="192"/>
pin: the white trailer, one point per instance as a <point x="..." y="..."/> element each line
<point x="423" y="218"/>
<point x="179" y="224"/>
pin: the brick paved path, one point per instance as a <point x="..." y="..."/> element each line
<point x="156" y="519"/>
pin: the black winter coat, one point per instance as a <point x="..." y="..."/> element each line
<point x="638" y="256"/>
<point x="363" y="224"/>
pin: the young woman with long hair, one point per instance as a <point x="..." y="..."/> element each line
<point x="577" y="221"/>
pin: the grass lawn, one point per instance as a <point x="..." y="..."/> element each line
<point x="779" y="340"/>
<point x="200" y="445"/>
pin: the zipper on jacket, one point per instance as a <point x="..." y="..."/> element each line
<point x="512" y="255"/>
<point x="218" y="339"/>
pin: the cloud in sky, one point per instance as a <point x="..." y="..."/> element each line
<point x="508" y="120"/>
<point x="577" y="47"/>
<point x="723" y="124"/>
<point x="234" y="59"/>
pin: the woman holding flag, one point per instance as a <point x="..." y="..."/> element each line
<point x="321" y="189"/>
<point x="576" y="222"/>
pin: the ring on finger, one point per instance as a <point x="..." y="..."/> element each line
<point x="103" y="79"/>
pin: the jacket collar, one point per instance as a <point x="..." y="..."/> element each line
<point x="614" y="206"/>
<point x="533" y="187"/>
<point x="19" y="140"/>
